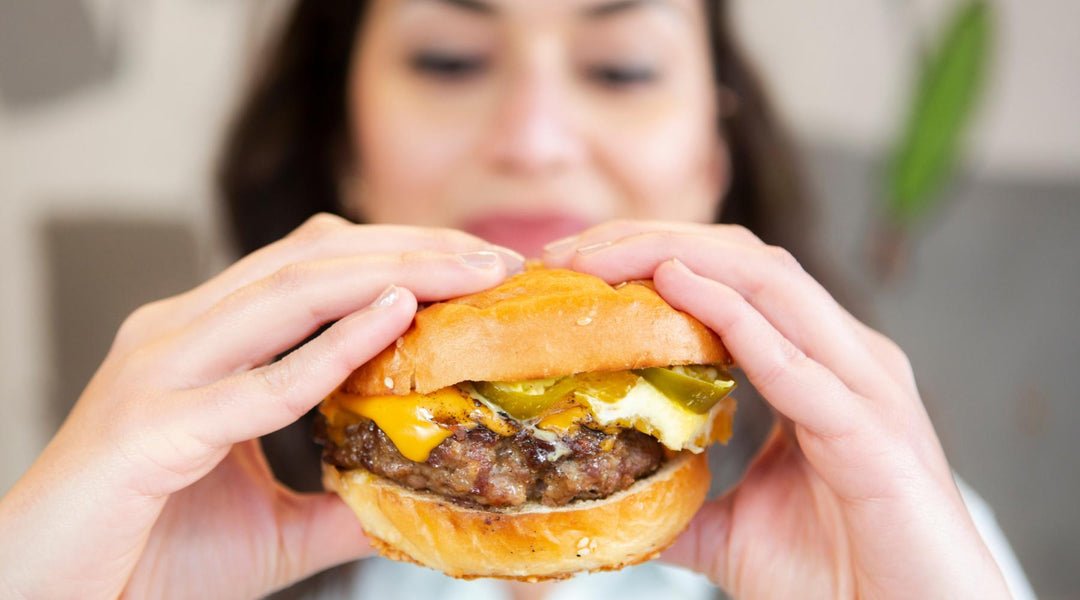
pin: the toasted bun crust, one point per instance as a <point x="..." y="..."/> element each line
<point x="539" y="324"/>
<point x="531" y="542"/>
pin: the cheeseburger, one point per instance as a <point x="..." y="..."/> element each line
<point x="550" y="425"/>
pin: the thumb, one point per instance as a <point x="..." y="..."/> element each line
<point x="703" y="547"/>
<point x="317" y="531"/>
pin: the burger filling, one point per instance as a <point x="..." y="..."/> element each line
<point x="552" y="441"/>
<point x="480" y="467"/>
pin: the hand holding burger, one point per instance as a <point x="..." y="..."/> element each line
<point x="156" y="486"/>
<point x="853" y="497"/>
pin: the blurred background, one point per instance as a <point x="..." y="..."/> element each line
<point x="111" y="113"/>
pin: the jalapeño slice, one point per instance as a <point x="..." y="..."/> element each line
<point x="688" y="387"/>
<point x="606" y="387"/>
<point x="524" y="399"/>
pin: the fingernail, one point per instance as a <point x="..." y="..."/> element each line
<point x="593" y="247"/>
<point x="389" y="296"/>
<point x="681" y="266"/>
<point x="484" y="259"/>
<point x="561" y="245"/>
<point x="515" y="263"/>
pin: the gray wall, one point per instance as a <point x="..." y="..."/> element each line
<point x="989" y="313"/>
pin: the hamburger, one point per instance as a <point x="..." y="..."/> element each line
<point x="550" y="425"/>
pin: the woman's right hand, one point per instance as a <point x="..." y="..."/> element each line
<point x="156" y="483"/>
<point x="853" y="497"/>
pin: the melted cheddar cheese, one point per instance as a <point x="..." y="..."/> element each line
<point x="417" y="423"/>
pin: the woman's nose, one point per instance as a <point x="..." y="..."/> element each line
<point x="533" y="130"/>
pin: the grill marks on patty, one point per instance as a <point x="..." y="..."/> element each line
<point x="480" y="467"/>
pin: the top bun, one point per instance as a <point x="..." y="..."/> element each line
<point x="539" y="324"/>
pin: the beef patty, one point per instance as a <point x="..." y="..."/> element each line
<point x="479" y="467"/>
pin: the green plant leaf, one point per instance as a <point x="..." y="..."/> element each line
<point x="949" y="87"/>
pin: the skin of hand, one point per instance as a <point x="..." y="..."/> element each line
<point x="156" y="481"/>
<point x="852" y="497"/>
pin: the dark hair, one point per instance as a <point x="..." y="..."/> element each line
<point x="289" y="143"/>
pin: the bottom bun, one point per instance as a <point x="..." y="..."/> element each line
<point x="530" y="542"/>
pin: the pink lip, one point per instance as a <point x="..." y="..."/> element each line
<point x="526" y="233"/>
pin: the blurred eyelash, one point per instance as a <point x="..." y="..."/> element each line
<point x="620" y="76"/>
<point x="448" y="65"/>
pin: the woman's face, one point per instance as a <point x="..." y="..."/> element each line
<point x="527" y="120"/>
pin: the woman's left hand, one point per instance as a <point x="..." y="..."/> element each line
<point x="855" y="497"/>
<point x="155" y="485"/>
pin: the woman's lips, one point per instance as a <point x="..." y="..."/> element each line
<point x="525" y="233"/>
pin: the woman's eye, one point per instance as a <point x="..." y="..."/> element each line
<point x="619" y="76"/>
<point x="447" y="65"/>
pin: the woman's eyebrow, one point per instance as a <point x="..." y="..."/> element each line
<point x="473" y="6"/>
<point x="614" y="7"/>
<point x="598" y="10"/>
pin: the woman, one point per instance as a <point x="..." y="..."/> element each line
<point x="517" y="122"/>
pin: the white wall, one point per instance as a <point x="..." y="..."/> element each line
<point x="842" y="69"/>
<point x="141" y="144"/>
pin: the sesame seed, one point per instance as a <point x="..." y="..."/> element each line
<point x="389" y="383"/>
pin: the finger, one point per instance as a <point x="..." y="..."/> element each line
<point x="268" y="317"/>
<point x="703" y="547"/>
<point x="318" y="531"/>
<point x="784" y="375"/>
<point x="560" y="253"/>
<point x="769" y="278"/>
<point x="263" y="400"/>
<point x="327" y="236"/>
<point x="709" y="546"/>
<point x="888" y="353"/>
<point x="321" y="237"/>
